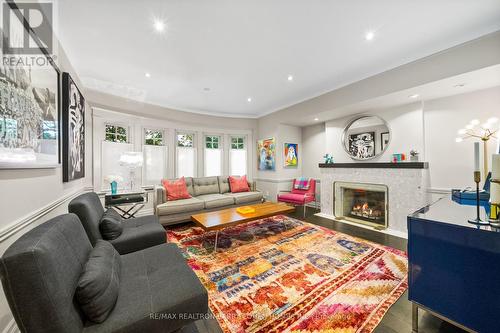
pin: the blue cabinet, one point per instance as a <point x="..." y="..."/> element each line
<point x="454" y="266"/>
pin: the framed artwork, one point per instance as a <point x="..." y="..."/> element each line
<point x="384" y="140"/>
<point x="362" y="145"/>
<point x="291" y="155"/>
<point x="29" y="115"/>
<point x="73" y="121"/>
<point x="266" y="154"/>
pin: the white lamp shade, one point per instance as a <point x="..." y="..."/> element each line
<point x="131" y="159"/>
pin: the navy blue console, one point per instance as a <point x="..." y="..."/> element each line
<point x="454" y="266"/>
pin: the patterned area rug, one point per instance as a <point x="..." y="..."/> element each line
<point x="283" y="275"/>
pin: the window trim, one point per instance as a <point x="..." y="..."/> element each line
<point x="118" y="124"/>
<point x="195" y="149"/>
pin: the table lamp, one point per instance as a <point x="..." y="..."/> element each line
<point x="132" y="160"/>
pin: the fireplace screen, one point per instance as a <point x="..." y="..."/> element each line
<point x="361" y="203"/>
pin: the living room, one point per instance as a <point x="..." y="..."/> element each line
<point x="207" y="167"/>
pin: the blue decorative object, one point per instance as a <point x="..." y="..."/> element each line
<point x="328" y="159"/>
<point x="114" y="187"/>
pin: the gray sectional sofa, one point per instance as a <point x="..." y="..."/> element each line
<point x="207" y="194"/>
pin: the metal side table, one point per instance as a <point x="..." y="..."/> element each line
<point x="127" y="203"/>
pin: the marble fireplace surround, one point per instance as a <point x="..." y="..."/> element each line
<point x="407" y="190"/>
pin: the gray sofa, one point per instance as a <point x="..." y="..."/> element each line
<point x="138" y="233"/>
<point x="208" y="194"/>
<point x="158" y="291"/>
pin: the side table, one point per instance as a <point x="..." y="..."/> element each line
<point x="126" y="203"/>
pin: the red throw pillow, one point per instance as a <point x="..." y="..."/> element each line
<point x="238" y="184"/>
<point x="176" y="189"/>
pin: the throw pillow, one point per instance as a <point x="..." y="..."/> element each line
<point x="176" y="189"/>
<point x="238" y="184"/>
<point x="98" y="285"/>
<point x="111" y="224"/>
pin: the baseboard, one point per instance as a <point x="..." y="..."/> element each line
<point x="396" y="233"/>
<point x="23" y="222"/>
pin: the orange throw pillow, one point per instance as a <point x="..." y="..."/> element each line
<point x="238" y="184"/>
<point x="176" y="189"/>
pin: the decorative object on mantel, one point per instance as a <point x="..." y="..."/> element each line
<point x="484" y="132"/>
<point x="360" y="136"/>
<point x="414" y="155"/>
<point x="132" y="160"/>
<point x="113" y="181"/>
<point x="495" y="191"/>
<point x="477" y="180"/>
<point x="399" y="157"/>
<point x="328" y="159"/>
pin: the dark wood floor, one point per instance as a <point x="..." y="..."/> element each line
<point x="397" y="319"/>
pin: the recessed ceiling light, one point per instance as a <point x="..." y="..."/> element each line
<point x="290" y="77"/>
<point x="159" y="25"/>
<point x="249" y="99"/>
<point x="206" y="89"/>
<point x="316" y="119"/>
<point x="147" y="75"/>
<point x="370" y="35"/>
<point x="460" y="85"/>
<point x="414" y="96"/>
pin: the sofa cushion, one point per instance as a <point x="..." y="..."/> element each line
<point x="238" y="184"/>
<point x="245" y="197"/>
<point x="176" y="189"/>
<point x="159" y="292"/>
<point x="111" y="224"/>
<point x="89" y="209"/>
<point x="216" y="200"/>
<point x="223" y="184"/>
<point x="139" y="233"/>
<point x="205" y="185"/>
<point x="97" y="288"/>
<point x="180" y="206"/>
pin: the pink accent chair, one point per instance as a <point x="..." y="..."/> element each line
<point x="299" y="197"/>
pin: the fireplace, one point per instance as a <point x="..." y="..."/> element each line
<point x="361" y="203"/>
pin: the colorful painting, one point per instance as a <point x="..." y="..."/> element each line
<point x="280" y="274"/>
<point x="291" y="155"/>
<point x="266" y="154"/>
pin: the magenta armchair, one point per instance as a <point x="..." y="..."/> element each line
<point x="299" y="197"/>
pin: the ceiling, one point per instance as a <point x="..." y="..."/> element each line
<point x="214" y="55"/>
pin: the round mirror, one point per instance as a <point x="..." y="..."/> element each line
<point x="366" y="137"/>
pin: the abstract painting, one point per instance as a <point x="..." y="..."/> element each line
<point x="362" y="145"/>
<point x="266" y="154"/>
<point x="384" y="140"/>
<point x="73" y="116"/>
<point x="29" y="116"/>
<point x="291" y="155"/>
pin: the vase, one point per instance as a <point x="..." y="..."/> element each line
<point x="114" y="187"/>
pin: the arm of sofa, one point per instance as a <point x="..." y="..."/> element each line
<point x="159" y="197"/>
<point x="252" y="186"/>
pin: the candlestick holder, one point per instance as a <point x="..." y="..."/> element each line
<point x="495" y="210"/>
<point x="477" y="220"/>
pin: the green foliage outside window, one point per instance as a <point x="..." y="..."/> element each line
<point x="116" y="133"/>
<point x="212" y="142"/>
<point x="154" y="137"/>
<point x="185" y="140"/>
<point x="237" y="143"/>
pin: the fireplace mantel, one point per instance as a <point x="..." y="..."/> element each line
<point x="378" y="165"/>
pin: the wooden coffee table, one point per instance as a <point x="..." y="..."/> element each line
<point x="220" y="219"/>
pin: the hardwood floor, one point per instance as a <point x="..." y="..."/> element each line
<point x="397" y="319"/>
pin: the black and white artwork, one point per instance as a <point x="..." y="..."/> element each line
<point x="362" y="145"/>
<point x="73" y="115"/>
<point x="29" y="116"/>
<point x="384" y="140"/>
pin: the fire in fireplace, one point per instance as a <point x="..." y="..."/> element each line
<point x="361" y="203"/>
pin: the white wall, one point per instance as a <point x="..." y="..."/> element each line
<point x="451" y="163"/>
<point x="271" y="182"/>
<point x="430" y="128"/>
<point x="405" y="125"/>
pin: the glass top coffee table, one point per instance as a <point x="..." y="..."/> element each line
<point x="220" y="219"/>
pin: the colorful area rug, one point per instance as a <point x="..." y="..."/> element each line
<point x="283" y="275"/>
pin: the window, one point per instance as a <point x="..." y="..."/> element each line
<point x="213" y="156"/>
<point x="155" y="157"/>
<point x="185" y="155"/>
<point x="115" y="133"/>
<point x="153" y="137"/>
<point x="238" y="156"/>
